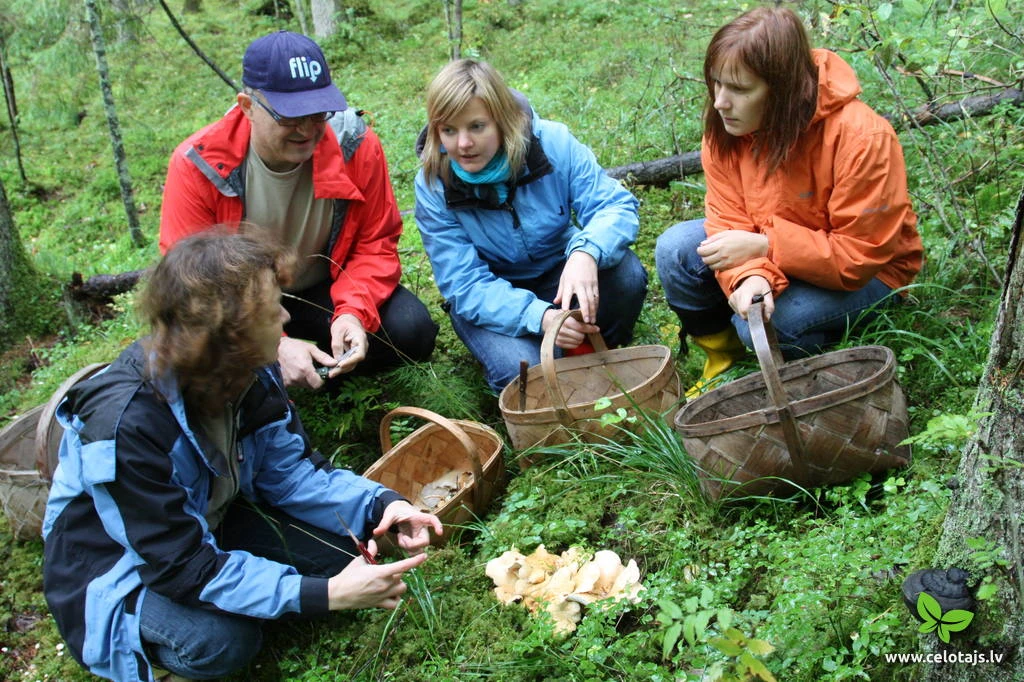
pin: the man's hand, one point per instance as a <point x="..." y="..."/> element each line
<point x="731" y="248"/>
<point x="361" y="585"/>
<point x="349" y="343"/>
<point x="579" y="279"/>
<point x="572" y="333"/>
<point x="297" y="357"/>
<point x="745" y="292"/>
<point x="413" y="525"/>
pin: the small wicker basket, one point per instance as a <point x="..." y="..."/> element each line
<point x="559" y="396"/>
<point x="815" y="421"/>
<point x="28" y="458"/>
<point x="23" y="491"/>
<point x="431" y="451"/>
<point x="48" y="430"/>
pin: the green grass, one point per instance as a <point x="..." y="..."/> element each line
<point x="816" y="576"/>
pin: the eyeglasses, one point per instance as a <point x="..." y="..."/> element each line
<point x="286" y="122"/>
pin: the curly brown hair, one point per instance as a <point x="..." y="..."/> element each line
<point x="202" y="302"/>
<point x="772" y="43"/>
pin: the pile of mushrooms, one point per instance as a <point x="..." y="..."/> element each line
<point x="563" y="584"/>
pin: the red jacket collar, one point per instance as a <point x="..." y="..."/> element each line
<point x="225" y="143"/>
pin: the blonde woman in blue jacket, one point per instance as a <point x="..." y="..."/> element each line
<point x="520" y="221"/>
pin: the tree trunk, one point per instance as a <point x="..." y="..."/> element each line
<point x="17" y="278"/>
<point x="126" y="21"/>
<point x="325" y="17"/>
<point x="127" y="194"/>
<point x="988" y="500"/>
<point x="453" y="18"/>
<point x="9" y="246"/>
<point x="300" y="12"/>
<point x="12" y="106"/>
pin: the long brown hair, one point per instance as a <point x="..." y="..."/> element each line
<point x="202" y="301"/>
<point x="772" y="43"/>
<point x="451" y="91"/>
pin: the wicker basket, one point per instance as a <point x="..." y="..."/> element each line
<point x="23" y="491"/>
<point x="558" y="396"/>
<point x="811" y="422"/>
<point x="48" y="430"/>
<point x="435" y="449"/>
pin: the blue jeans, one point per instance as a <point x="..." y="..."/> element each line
<point x="807" y="318"/>
<point x="203" y="643"/>
<point x="623" y="288"/>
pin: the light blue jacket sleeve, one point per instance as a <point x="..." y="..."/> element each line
<point x="606" y="211"/>
<point x="463" y="278"/>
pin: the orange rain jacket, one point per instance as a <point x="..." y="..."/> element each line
<point x="206" y="185"/>
<point x="837" y="213"/>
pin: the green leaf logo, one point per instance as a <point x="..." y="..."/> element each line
<point x="937" y="621"/>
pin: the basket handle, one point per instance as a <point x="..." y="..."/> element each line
<point x="46" y="460"/>
<point x="547" y="363"/>
<point x="766" y="345"/>
<point x="451" y="427"/>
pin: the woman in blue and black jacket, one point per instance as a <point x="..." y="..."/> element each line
<point x="188" y="505"/>
<point x="519" y="219"/>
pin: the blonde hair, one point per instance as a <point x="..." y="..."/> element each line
<point x="451" y="91"/>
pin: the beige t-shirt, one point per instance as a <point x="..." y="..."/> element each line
<point x="284" y="203"/>
<point x="222" y="430"/>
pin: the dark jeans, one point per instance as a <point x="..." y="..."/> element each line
<point x="207" y="644"/>
<point x="406" y="333"/>
<point x="623" y="288"/>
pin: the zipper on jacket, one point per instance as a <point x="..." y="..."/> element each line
<point x="515" y="216"/>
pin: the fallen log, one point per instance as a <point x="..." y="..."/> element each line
<point x="99" y="290"/>
<point x="660" y="172"/>
<point x="94" y="296"/>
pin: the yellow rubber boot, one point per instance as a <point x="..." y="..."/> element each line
<point x="722" y="349"/>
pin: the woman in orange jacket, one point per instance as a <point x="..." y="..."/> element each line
<point x="806" y="199"/>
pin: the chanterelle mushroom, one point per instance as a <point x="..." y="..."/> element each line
<point x="561" y="583"/>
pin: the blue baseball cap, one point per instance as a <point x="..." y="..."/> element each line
<point x="292" y="73"/>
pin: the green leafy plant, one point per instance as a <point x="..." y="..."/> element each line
<point x="942" y="624"/>
<point x="745" y="653"/>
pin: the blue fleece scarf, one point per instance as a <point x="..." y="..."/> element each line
<point x="495" y="175"/>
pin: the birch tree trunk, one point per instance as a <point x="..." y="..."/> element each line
<point x="124" y="179"/>
<point x="989" y="500"/>
<point x="453" y="19"/>
<point x="12" y="105"/>
<point x="325" y="17"/>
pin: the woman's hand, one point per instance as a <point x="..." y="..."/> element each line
<point x="745" y="292"/>
<point x="579" y="279"/>
<point x="361" y="585"/>
<point x="296" y="358"/>
<point x="413" y="525"/>
<point x="731" y="248"/>
<point x="572" y="332"/>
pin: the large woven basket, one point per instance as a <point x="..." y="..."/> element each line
<point x="558" y="396"/>
<point x="48" y="431"/>
<point x="431" y="451"/>
<point x="810" y="422"/>
<point x="23" y="491"/>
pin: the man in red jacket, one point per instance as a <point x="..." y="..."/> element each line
<point x="292" y="158"/>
